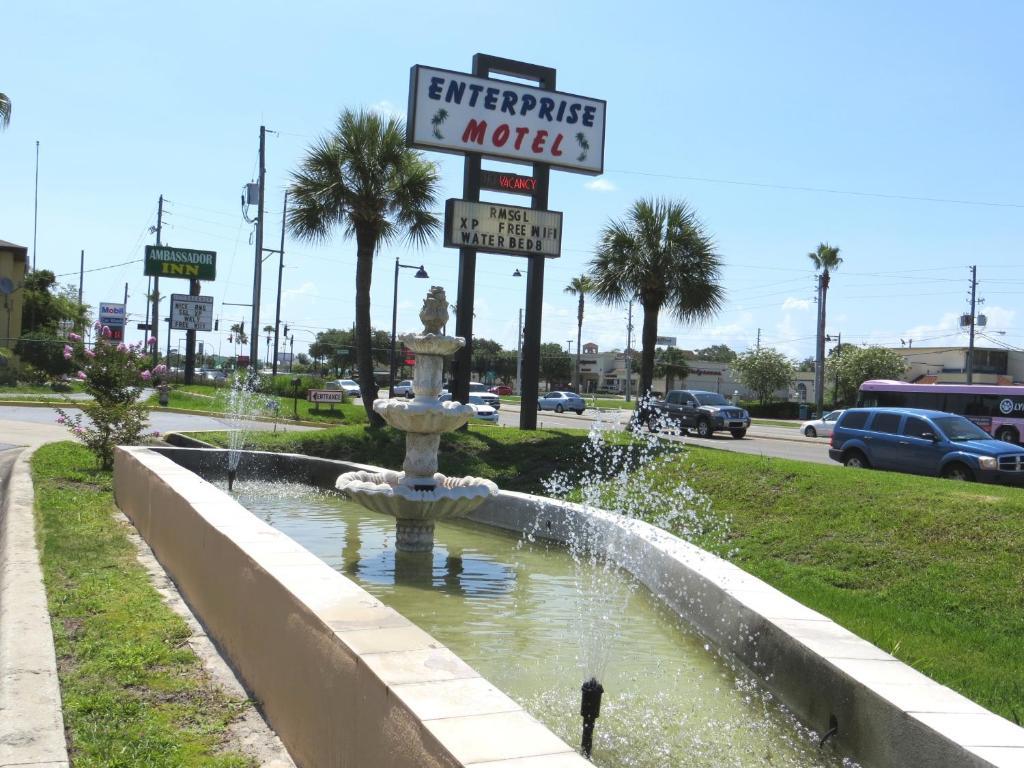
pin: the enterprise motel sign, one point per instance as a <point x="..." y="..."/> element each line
<point x="162" y="261"/>
<point x="507" y="229"/>
<point x="454" y="112"/>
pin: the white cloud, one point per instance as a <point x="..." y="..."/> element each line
<point x="600" y="185"/>
<point x="385" y="108"/>
<point x="791" y="303"/>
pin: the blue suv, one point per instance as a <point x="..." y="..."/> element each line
<point x="924" y="443"/>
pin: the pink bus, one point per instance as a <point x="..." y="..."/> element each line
<point x="999" y="410"/>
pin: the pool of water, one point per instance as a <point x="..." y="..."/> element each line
<point x="537" y="622"/>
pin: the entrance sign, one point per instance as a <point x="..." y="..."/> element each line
<point x="112" y="315"/>
<point x="325" y="396"/>
<point x="665" y="341"/>
<point x="502" y="229"/>
<point x="512" y="183"/>
<point x="455" y="112"/>
<point x="162" y="261"/>
<point x="191" y="313"/>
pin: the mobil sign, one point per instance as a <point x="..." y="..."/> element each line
<point x="112" y="315"/>
<point x="455" y="112"/>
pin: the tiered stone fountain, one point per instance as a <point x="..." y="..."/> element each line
<point x="420" y="495"/>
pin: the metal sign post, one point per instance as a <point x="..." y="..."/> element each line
<point x="476" y="116"/>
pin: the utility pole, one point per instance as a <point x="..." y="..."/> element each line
<point x="257" y="276"/>
<point x="758" y="347"/>
<point x="970" y="343"/>
<point x="154" y="324"/>
<point x="819" y="361"/>
<point x="519" y="354"/>
<point x="629" y="345"/>
<point x="81" y="276"/>
<point x="280" y="274"/>
<point x="35" y="211"/>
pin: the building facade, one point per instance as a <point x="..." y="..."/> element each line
<point x="13" y="265"/>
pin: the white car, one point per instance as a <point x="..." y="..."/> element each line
<point x="483" y="410"/>
<point x="404" y="388"/>
<point x="349" y="387"/>
<point x="821" y="427"/>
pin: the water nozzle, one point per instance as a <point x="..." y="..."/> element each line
<point x="590" y="710"/>
<point x="232" y="474"/>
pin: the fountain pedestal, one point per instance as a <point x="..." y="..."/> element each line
<point x="418" y="495"/>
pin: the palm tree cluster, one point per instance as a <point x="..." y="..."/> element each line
<point x="362" y="179"/>
<point x="661" y="256"/>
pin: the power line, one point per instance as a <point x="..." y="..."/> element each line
<point x="822" y="190"/>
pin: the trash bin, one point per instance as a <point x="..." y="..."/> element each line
<point x="805" y="412"/>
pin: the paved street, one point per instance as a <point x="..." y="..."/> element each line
<point x="779" y="442"/>
<point x="20" y="425"/>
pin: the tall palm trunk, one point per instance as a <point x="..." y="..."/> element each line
<point x="648" y="340"/>
<point x="364" y="355"/>
<point x="819" y="371"/>
<point x="579" y="338"/>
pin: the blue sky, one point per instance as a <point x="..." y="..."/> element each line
<point x="748" y="111"/>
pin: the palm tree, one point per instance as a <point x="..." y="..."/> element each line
<point x="5" y="110"/>
<point x="671" y="363"/>
<point x="238" y="332"/>
<point x="363" y="179"/>
<point x="825" y="258"/>
<point x="660" y="255"/>
<point x="580" y="287"/>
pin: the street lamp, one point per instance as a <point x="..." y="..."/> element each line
<point x="421" y="273"/>
<point x="519" y="346"/>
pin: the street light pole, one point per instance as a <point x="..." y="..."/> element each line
<point x="421" y="273"/>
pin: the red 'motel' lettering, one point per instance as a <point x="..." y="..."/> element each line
<point x="475" y="131"/>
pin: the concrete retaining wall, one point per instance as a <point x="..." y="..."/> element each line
<point x="343" y="679"/>
<point x="887" y="713"/>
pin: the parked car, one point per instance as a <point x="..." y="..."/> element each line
<point x="476" y="388"/>
<point x="215" y="376"/>
<point x="349" y="387"/>
<point x="404" y="388"/>
<point x="924" y="442"/>
<point x="501" y="389"/>
<point x="480" y="407"/>
<point x="705" y="412"/>
<point x="561" y="401"/>
<point x="483" y="410"/>
<point x="821" y="427"/>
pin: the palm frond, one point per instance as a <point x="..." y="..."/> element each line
<point x="5" y="110"/>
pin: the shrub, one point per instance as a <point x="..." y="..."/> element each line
<point x="114" y="375"/>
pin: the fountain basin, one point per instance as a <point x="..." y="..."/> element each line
<point x="423" y="416"/>
<point x="432" y="343"/>
<point x="888" y="713"/>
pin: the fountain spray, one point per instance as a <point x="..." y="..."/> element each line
<point x="232" y="474"/>
<point x="590" y="710"/>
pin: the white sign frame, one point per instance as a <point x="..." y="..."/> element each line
<point x="111" y="314"/>
<point x="461" y="113"/>
<point x="500" y="228"/>
<point x="191" y="313"/>
<point x="325" y="396"/>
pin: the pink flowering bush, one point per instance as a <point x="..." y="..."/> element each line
<point x="114" y="375"/>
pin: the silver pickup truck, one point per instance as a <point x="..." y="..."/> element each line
<point x="703" y="412"/>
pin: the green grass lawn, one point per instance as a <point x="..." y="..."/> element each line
<point x="927" y="569"/>
<point x="133" y="692"/>
<point x="775" y="423"/>
<point x="215" y="400"/>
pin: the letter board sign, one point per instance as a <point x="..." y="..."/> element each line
<point x="507" y="229"/>
<point x="455" y="112"/>
<point x="191" y="313"/>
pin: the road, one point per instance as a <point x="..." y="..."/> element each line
<point x="778" y="442"/>
<point x="20" y="425"/>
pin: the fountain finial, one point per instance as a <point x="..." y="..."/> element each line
<point x="434" y="314"/>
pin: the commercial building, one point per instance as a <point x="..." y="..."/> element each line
<point x="13" y="265"/>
